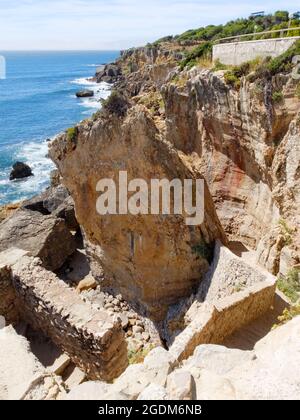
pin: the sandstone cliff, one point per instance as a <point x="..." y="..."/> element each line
<point x="167" y="123"/>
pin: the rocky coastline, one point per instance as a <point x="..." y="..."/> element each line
<point x="147" y="307"/>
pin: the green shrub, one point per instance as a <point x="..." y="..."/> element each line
<point x="232" y="79"/>
<point x="116" y="104"/>
<point x="277" y="97"/>
<point x="72" y="133"/>
<point x="203" y="50"/>
<point x="290" y="285"/>
<point x="286" y="232"/>
<point x="283" y="63"/>
<point x="219" y="66"/>
<point x="136" y="357"/>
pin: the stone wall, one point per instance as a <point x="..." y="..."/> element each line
<point x="214" y="322"/>
<point x="9" y="306"/>
<point x="236" y="53"/>
<point x="93" y="339"/>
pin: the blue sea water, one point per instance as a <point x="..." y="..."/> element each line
<point x="37" y="101"/>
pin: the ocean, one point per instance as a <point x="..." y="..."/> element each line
<point x="38" y="101"/>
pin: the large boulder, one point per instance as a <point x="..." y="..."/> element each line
<point x="85" y="94"/>
<point x="108" y="74"/>
<point x="20" y="170"/>
<point x="152" y="260"/>
<point x="46" y="237"/>
<point x="56" y="201"/>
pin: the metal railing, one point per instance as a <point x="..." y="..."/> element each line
<point x="238" y="38"/>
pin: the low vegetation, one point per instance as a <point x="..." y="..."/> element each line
<point x="135" y="357"/>
<point x="202" y="51"/>
<point x="72" y="133"/>
<point x="276" y="21"/>
<point x="277" y="97"/>
<point x="286" y="231"/>
<point x="153" y="101"/>
<point x="290" y="285"/>
<point x="115" y="104"/>
<point x="288" y="315"/>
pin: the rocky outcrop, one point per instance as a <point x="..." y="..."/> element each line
<point x="57" y="201"/>
<point x="85" y="94"/>
<point x="151" y="260"/>
<point x="245" y="145"/>
<point x="45" y="237"/>
<point x="20" y="170"/>
<point x="108" y="74"/>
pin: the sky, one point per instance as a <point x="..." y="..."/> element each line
<point x="115" y="24"/>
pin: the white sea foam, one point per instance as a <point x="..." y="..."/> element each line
<point x="36" y="155"/>
<point x="101" y="91"/>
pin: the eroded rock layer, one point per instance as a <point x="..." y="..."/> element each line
<point x="152" y="260"/>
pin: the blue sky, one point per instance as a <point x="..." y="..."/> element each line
<point x="115" y="24"/>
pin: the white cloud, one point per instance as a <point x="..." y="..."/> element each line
<point x="116" y="24"/>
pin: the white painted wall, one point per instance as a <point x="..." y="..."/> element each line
<point x="236" y="53"/>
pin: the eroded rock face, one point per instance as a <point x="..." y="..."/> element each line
<point x="152" y="260"/>
<point x="46" y="237"/>
<point x="247" y="148"/>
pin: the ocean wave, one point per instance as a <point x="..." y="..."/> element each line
<point x="35" y="155"/>
<point x="84" y="82"/>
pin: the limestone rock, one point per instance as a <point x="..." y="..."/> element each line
<point x="247" y="150"/>
<point x="60" y="364"/>
<point x="87" y="283"/>
<point x="210" y="386"/>
<point x="94" y="391"/>
<point x="87" y="391"/>
<point x="55" y="197"/>
<point x="181" y="386"/>
<point x="55" y="178"/>
<point x="270" y="371"/>
<point x="45" y="237"/>
<point x="145" y="245"/>
<point x="153" y="393"/>
<point x="2" y="322"/>
<point x="217" y="359"/>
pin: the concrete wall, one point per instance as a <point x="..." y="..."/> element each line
<point x="239" y="52"/>
<point x="214" y="322"/>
